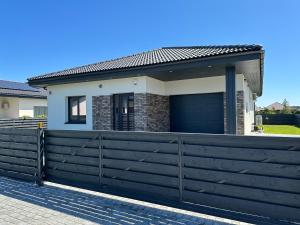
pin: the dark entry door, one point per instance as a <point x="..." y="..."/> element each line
<point x="197" y="113"/>
<point x="124" y="112"/>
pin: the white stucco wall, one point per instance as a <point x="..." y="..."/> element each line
<point x="249" y="109"/>
<point x="57" y="98"/>
<point x="12" y="111"/>
<point x="57" y="94"/>
<point x="26" y="105"/>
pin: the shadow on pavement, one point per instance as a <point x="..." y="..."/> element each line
<point x="93" y="208"/>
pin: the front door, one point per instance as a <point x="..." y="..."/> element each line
<point x="124" y="112"/>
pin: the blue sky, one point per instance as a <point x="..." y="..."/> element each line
<point x="44" y="36"/>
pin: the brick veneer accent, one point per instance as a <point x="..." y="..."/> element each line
<point x="151" y="112"/>
<point x="102" y="112"/>
<point x="239" y="112"/>
<point x="240" y="105"/>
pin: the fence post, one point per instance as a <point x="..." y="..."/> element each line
<point x="100" y="157"/>
<point x="180" y="167"/>
<point x="39" y="156"/>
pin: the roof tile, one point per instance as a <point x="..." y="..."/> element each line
<point x="158" y="56"/>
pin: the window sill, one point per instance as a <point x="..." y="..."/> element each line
<point x="75" y="122"/>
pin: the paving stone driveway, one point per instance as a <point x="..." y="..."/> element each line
<point x="25" y="203"/>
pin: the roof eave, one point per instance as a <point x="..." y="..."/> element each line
<point x="142" y="70"/>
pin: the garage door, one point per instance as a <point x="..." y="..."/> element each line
<point x="197" y="113"/>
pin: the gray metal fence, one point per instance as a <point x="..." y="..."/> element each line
<point x="20" y="154"/>
<point x="247" y="174"/>
<point x="297" y="116"/>
<point x="23" y="123"/>
<point x="254" y="175"/>
<point x="281" y="119"/>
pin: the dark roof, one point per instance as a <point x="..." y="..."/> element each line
<point x="158" y="56"/>
<point x="18" y="89"/>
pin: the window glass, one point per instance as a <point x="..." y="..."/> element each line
<point x="77" y="109"/>
<point x="82" y="106"/>
<point x="40" y="111"/>
<point x="74" y="106"/>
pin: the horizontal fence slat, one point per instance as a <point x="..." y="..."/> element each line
<point x="18" y="153"/>
<point x="154" y="137"/>
<point x="75" y="177"/>
<point x="13" y="131"/>
<point x="76" y="142"/>
<point x="18" y="138"/>
<point x="141" y="156"/>
<point x="72" y="134"/>
<point x="240" y="205"/>
<point x="21" y="146"/>
<point x="141" y="167"/>
<point x="249" y="154"/>
<point x="76" y="151"/>
<point x="259" y="142"/>
<point x="17" y="175"/>
<point x="272" y="197"/>
<point x="273" y="183"/>
<point x="74" y="168"/>
<point x="140" y="146"/>
<point x="141" y="177"/>
<point x="142" y="188"/>
<point x="18" y="168"/>
<point x="18" y="161"/>
<point x="266" y="169"/>
<point x="89" y="161"/>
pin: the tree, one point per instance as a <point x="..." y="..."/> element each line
<point x="286" y="107"/>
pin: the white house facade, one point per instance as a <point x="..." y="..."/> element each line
<point x="190" y="96"/>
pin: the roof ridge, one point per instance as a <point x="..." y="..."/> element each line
<point x="214" y="46"/>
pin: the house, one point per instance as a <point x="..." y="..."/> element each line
<point x="205" y="89"/>
<point x="275" y="106"/>
<point x="20" y="100"/>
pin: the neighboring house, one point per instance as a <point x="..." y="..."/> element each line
<point x="295" y="108"/>
<point x="205" y="89"/>
<point x="275" y="106"/>
<point x="21" y="100"/>
<point x="258" y="109"/>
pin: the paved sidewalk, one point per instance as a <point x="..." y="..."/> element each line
<point x="25" y="203"/>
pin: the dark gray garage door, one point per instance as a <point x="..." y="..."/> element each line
<point x="197" y="113"/>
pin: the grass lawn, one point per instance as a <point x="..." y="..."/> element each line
<point x="281" y="129"/>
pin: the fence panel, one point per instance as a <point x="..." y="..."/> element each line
<point x="253" y="175"/>
<point x="258" y="175"/>
<point x="72" y="157"/>
<point x="279" y="119"/>
<point x="19" y="149"/>
<point x="23" y="123"/>
<point x="297" y="116"/>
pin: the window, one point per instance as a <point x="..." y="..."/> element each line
<point x="40" y="111"/>
<point x="77" y="109"/>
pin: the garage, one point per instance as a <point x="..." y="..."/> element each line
<point x="197" y="113"/>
